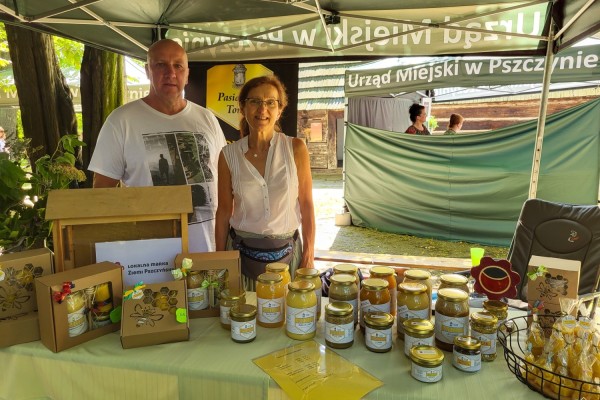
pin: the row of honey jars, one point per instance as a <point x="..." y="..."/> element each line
<point x="387" y="274"/>
<point x="311" y="275"/>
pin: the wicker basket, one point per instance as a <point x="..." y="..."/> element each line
<point x="552" y="385"/>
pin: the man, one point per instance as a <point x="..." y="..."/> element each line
<point x="163" y="122"/>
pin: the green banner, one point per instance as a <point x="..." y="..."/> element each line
<point x="576" y="64"/>
<point x="469" y="187"/>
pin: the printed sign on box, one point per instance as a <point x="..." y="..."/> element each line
<point x="148" y="261"/>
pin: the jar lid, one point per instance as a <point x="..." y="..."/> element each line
<point x="345" y="269"/>
<point x="194" y="272"/>
<point x="417" y="274"/>
<point x="484" y="318"/>
<point x="301" y="286"/>
<point x="343" y="279"/>
<point x="338" y="308"/>
<point x="454" y="279"/>
<point x="428" y="356"/>
<point x="382" y="271"/>
<point x="228" y="294"/>
<point x="307" y="273"/>
<point x="495" y="305"/>
<point x="269" y="277"/>
<point x="467" y="342"/>
<point x="452" y="294"/>
<point x="412" y="287"/>
<point x="417" y="326"/>
<point x="243" y="311"/>
<point x="379" y="319"/>
<point x="277" y="267"/>
<point x="374" y="284"/>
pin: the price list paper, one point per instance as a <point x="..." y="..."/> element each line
<point x="310" y="371"/>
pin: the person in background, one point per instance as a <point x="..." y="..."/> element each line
<point x="164" y="122"/>
<point x="265" y="187"/>
<point x="2" y="140"/>
<point x="418" y="116"/>
<point x="455" y="124"/>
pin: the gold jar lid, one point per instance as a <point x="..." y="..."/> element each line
<point x="277" y="267"/>
<point x="307" y="273"/>
<point x="382" y="271"/>
<point x="452" y="295"/>
<point x="454" y="279"/>
<point x="243" y="311"/>
<point x="379" y="319"/>
<point x="339" y="308"/>
<point x="495" y="305"/>
<point x="228" y="294"/>
<point x="343" y="279"/>
<point x="417" y="274"/>
<point x="269" y="278"/>
<point x="418" y="326"/>
<point x="345" y="269"/>
<point x="412" y="287"/>
<point x="427" y="356"/>
<point x="467" y="342"/>
<point x="484" y="318"/>
<point x="374" y="284"/>
<point x="301" y="286"/>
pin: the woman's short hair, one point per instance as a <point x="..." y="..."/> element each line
<point x="414" y="111"/>
<point x="259" y="81"/>
<point x="455" y="119"/>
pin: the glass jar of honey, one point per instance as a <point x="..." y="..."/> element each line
<point x="101" y="305"/>
<point x="339" y="325"/>
<point x="417" y="332"/>
<point x="301" y="310"/>
<point x="499" y="309"/>
<point x="413" y="302"/>
<point x="378" y="331"/>
<point x="282" y="269"/>
<point x="374" y="296"/>
<point x="312" y="275"/>
<point x="454" y="281"/>
<point x="270" y="299"/>
<point x="243" y="323"/>
<point x="76" y="313"/>
<point x="349" y="269"/>
<point x="420" y="276"/>
<point x="342" y="288"/>
<point x="388" y="274"/>
<point x="427" y="363"/>
<point x="228" y="299"/>
<point x="451" y="317"/>
<point x="483" y="328"/>
<point x="466" y="354"/>
<point x="196" y="294"/>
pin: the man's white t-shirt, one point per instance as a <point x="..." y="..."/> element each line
<point x="135" y="141"/>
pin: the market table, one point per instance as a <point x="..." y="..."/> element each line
<point x="211" y="366"/>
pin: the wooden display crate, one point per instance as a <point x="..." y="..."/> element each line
<point x="83" y="217"/>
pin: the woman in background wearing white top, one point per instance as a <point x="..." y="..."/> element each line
<point x="265" y="187"/>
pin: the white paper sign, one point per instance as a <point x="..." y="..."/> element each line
<point x="148" y="261"/>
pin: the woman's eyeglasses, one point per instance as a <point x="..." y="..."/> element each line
<point x="269" y="103"/>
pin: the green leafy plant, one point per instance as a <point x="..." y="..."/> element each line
<point x="24" y="191"/>
<point x="432" y="123"/>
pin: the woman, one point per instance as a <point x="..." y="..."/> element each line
<point x="418" y="116"/>
<point x="265" y="187"/>
<point x="455" y="124"/>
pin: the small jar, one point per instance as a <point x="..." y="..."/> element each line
<point x="312" y="275"/>
<point x="483" y="328"/>
<point x="270" y="299"/>
<point x="301" y="310"/>
<point x="426" y="363"/>
<point x="499" y="309"/>
<point x="197" y="295"/>
<point x="339" y="325"/>
<point x="466" y="355"/>
<point x="282" y="269"/>
<point x="417" y="332"/>
<point x="348" y="269"/>
<point x="343" y="288"/>
<point x="378" y="331"/>
<point x="76" y="315"/>
<point x="388" y="274"/>
<point x="451" y="317"/>
<point x="101" y="305"/>
<point x="243" y="323"/>
<point x="374" y="296"/>
<point x="413" y="302"/>
<point x="420" y="276"/>
<point x="227" y="300"/>
<point x="455" y="281"/>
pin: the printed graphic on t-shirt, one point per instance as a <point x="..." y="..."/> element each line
<point x="183" y="158"/>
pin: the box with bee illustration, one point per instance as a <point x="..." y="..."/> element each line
<point x="154" y="314"/>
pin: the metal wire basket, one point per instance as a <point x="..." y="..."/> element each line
<point x="513" y="336"/>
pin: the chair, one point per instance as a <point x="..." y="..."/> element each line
<point x="558" y="230"/>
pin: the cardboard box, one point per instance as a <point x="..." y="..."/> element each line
<point x="61" y="329"/>
<point x="17" y="274"/>
<point x="150" y="316"/>
<point x="21" y="328"/>
<point x="219" y="264"/>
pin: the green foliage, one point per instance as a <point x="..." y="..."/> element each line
<point x="23" y="192"/>
<point x="432" y="123"/>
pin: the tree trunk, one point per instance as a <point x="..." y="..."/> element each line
<point x="102" y="90"/>
<point x="44" y="97"/>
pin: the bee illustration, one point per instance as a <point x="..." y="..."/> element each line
<point x="146" y="315"/>
<point x="12" y="299"/>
